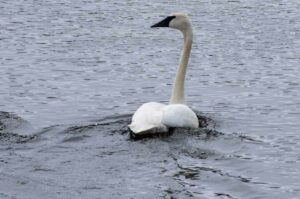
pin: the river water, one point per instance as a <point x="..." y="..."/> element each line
<point x="73" y="72"/>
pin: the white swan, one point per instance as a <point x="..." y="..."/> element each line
<point x="154" y="117"/>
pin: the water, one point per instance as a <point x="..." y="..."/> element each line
<point x="74" y="72"/>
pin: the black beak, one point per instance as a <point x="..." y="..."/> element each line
<point x="163" y="23"/>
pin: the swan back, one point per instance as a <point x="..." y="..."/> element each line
<point x="147" y="119"/>
<point x="179" y="115"/>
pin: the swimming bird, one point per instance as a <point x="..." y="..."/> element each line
<point x="153" y="117"/>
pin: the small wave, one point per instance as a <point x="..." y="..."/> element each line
<point x="11" y="128"/>
<point x="10" y="121"/>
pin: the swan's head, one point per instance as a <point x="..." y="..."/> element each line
<point x="179" y="21"/>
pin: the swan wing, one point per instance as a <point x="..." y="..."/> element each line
<point x="179" y="115"/>
<point x="147" y="119"/>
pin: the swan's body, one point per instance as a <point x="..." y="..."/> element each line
<point x="179" y="115"/>
<point x="147" y="119"/>
<point x="155" y="117"/>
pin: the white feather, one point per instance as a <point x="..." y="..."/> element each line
<point x="179" y="115"/>
<point x="147" y="119"/>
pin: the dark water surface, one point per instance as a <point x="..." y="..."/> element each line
<point x="73" y="72"/>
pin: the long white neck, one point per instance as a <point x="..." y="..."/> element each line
<point x="178" y="86"/>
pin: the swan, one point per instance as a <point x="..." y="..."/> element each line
<point x="153" y="117"/>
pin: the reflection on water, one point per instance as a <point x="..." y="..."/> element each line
<point x="66" y="64"/>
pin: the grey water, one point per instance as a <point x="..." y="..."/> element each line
<point x="73" y="72"/>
